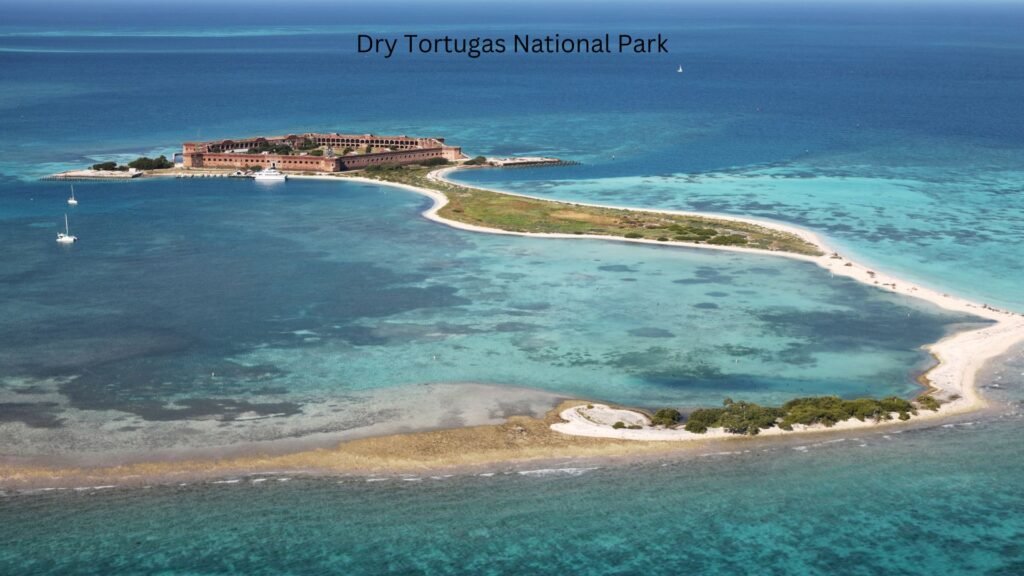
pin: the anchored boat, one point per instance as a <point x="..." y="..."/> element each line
<point x="65" y="237"/>
<point x="270" y="175"/>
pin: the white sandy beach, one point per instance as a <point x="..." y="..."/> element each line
<point x="959" y="356"/>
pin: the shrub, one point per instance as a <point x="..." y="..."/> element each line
<point x="144" y="163"/>
<point x="728" y="240"/>
<point x="633" y="235"/>
<point x="619" y="425"/>
<point x="434" y="162"/>
<point x="750" y="418"/>
<point x="928" y="402"/>
<point x="666" y="417"/>
<point x="317" y="152"/>
<point x="828" y="410"/>
<point x="747" y="417"/>
<point x="701" y="419"/>
<point x="662" y="239"/>
<point x="478" y="161"/>
<point x="105" y="166"/>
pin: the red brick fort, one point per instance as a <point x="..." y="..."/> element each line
<point x="313" y="152"/>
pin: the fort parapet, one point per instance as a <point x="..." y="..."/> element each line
<point x="335" y="152"/>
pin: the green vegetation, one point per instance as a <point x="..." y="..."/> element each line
<point x="307" y="144"/>
<point x="433" y="162"/>
<point x="317" y="153"/>
<point x="279" y="149"/>
<point x="143" y="163"/>
<point x="735" y="417"/>
<point x="828" y="410"/>
<point x="619" y="425"/>
<point x="518" y="214"/>
<point x="749" y="418"/>
<point x="378" y="169"/>
<point x="667" y="417"/>
<point x="728" y="240"/>
<point x="478" y="161"/>
<point x="140" y="163"/>
<point x="928" y="402"/>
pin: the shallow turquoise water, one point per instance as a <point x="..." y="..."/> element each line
<point x="922" y="217"/>
<point x="224" y="311"/>
<point x="934" y="501"/>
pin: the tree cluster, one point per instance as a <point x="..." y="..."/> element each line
<point x="144" y="163"/>
<point x="750" y="418"/>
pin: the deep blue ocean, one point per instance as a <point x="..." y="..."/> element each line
<point x="223" y="315"/>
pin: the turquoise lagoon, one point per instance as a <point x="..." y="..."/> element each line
<point x="211" y="312"/>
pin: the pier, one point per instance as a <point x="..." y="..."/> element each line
<point x="522" y="161"/>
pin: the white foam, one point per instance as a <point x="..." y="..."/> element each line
<point x="556" y="472"/>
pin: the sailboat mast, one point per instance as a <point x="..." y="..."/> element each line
<point x="66" y="231"/>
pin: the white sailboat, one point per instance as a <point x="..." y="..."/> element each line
<point x="680" y="71"/>
<point x="72" y="201"/>
<point x="65" y="237"/>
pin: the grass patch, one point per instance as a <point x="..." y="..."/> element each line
<point x="516" y="214"/>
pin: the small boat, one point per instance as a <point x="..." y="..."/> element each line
<point x="680" y="70"/>
<point x="270" y="175"/>
<point x="65" y="237"/>
<point x="72" y="201"/>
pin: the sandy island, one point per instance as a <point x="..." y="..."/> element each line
<point x="575" y="429"/>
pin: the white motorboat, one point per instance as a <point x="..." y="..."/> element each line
<point x="270" y="175"/>
<point x="65" y="237"/>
